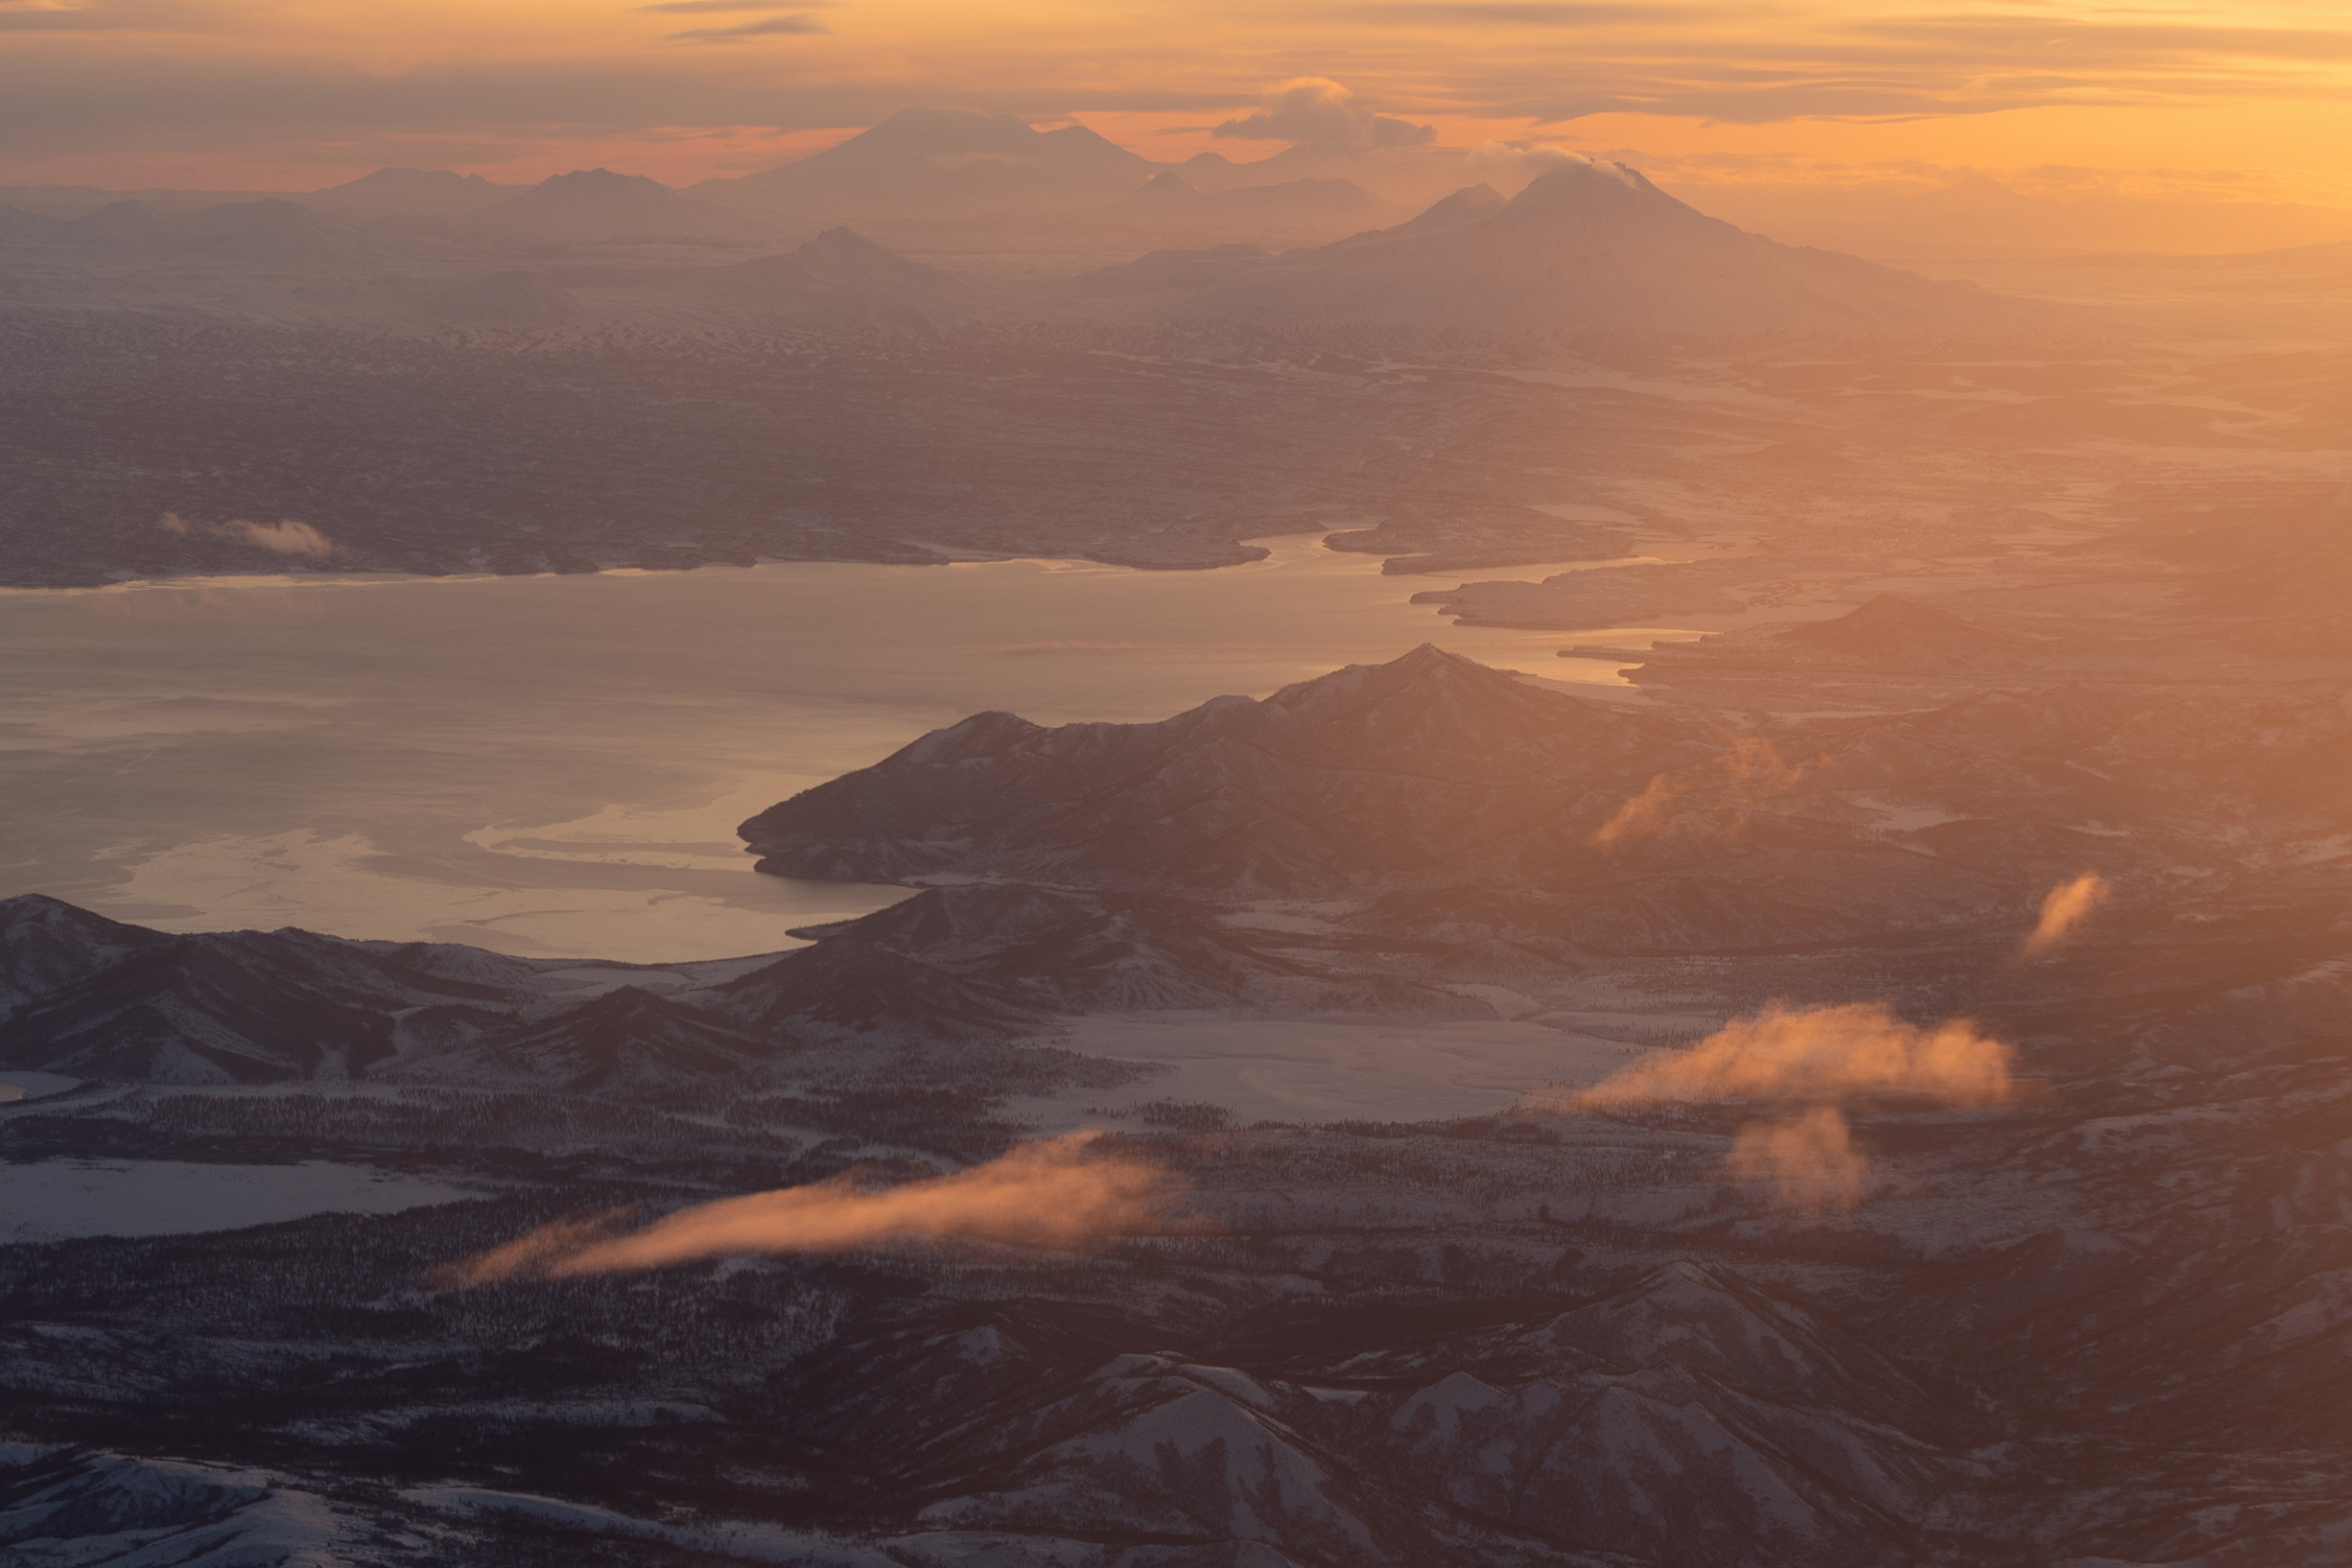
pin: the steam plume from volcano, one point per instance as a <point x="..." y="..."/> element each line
<point x="1044" y="1194"/>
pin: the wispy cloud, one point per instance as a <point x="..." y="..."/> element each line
<point x="710" y="8"/>
<point x="1532" y="14"/>
<point x="2067" y="907"/>
<point x="284" y="537"/>
<point x="1849" y="1051"/>
<point x="106" y="16"/>
<point x="744" y="31"/>
<point x="1804" y="1067"/>
<point x="1056" y="1193"/>
<point x="1317" y="111"/>
<point x="87" y="80"/>
<point x="1809" y="1159"/>
<point x="1716" y="797"/>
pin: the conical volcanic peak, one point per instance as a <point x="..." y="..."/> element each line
<point x="1593" y="247"/>
<point x="1589" y="185"/>
<point x="1435" y="701"/>
<point x="1898" y="629"/>
<point x="842" y="254"/>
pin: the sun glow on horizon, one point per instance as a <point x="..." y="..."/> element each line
<point x="2196" y="104"/>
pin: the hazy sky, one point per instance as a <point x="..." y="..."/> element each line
<point x="2213" y="100"/>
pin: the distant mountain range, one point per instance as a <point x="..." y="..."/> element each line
<point x="398" y="193"/>
<point x="598" y="205"/>
<point x="953" y="968"/>
<point x="1586" y="249"/>
<point x="941" y="161"/>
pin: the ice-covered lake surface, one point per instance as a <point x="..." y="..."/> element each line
<point x="15" y="1084"/>
<point x="555" y="765"/>
<point x="1309" y="1070"/>
<point x="49" y="1200"/>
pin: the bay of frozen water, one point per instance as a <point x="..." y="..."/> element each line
<point x="1317" y="1070"/>
<point x="555" y="765"/>
<point x="53" y="1199"/>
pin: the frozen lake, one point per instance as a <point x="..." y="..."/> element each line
<point x="54" y="1199"/>
<point x="555" y="765"/>
<point x="1316" y="1071"/>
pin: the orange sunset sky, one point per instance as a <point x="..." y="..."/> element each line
<point x="2179" y="103"/>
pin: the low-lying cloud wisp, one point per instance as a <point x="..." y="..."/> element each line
<point x="1814" y="1062"/>
<point x="1750" y="774"/>
<point x="2066" y="907"/>
<point x="1055" y="1193"/>
<point x="284" y="537"/>
<point x="1854" y="1050"/>
<point x="1810" y="1159"/>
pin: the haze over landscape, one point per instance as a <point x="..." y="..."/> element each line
<point x="1310" y="787"/>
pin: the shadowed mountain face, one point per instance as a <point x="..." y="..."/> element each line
<point x="242" y="1007"/>
<point x="1618" y="831"/>
<point x="1886" y="636"/>
<point x="1054" y="951"/>
<point x="1585" y="1426"/>
<point x="96" y="1000"/>
<point x="1374" y="774"/>
<point x="50" y="945"/>
<point x="16" y="223"/>
<point x="955" y="967"/>
<point x="1895" y="633"/>
<point x="841" y="278"/>
<point x="596" y="204"/>
<point x="627" y="1040"/>
<point x="848" y="988"/>
<point x="403" y="193"/>
<point x="2100" y="1323"/>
